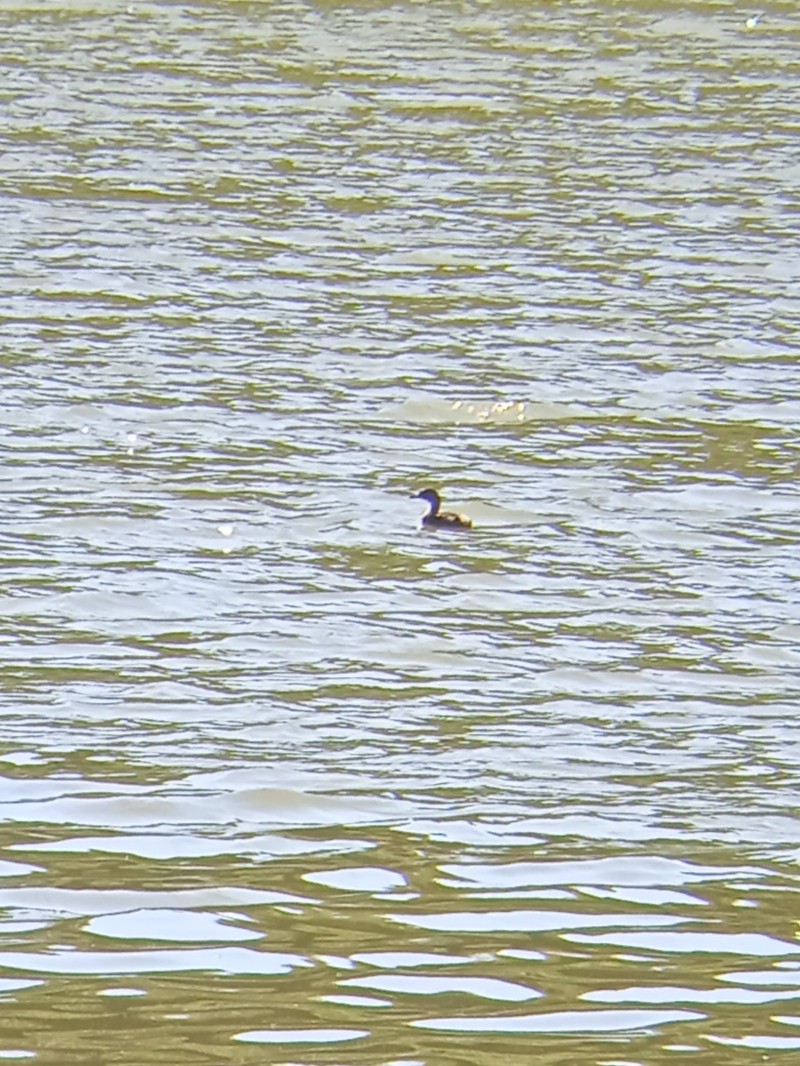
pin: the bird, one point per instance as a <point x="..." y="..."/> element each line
<point x="436" y="519"/>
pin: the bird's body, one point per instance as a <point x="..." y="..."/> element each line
<point x="436" y="519"/>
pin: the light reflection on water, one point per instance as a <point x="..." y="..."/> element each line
<point x="278" y="769"/>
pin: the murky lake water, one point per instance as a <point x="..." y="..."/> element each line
<point x="285" y="779"/>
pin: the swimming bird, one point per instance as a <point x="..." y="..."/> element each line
<point x="437" y="519"/>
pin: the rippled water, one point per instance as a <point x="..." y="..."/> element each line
<point x="284" y="778"/>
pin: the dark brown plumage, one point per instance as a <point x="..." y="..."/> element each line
<point x="436" y="519"/>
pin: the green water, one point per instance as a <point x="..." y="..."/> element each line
<point x="282" y="778"/>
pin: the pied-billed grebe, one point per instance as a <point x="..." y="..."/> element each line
<point x="441" y="519"/>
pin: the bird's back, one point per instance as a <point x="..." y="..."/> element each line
<point x="447" y="520"/>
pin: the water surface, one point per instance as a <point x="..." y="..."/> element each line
<point x="282" y="778"/>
